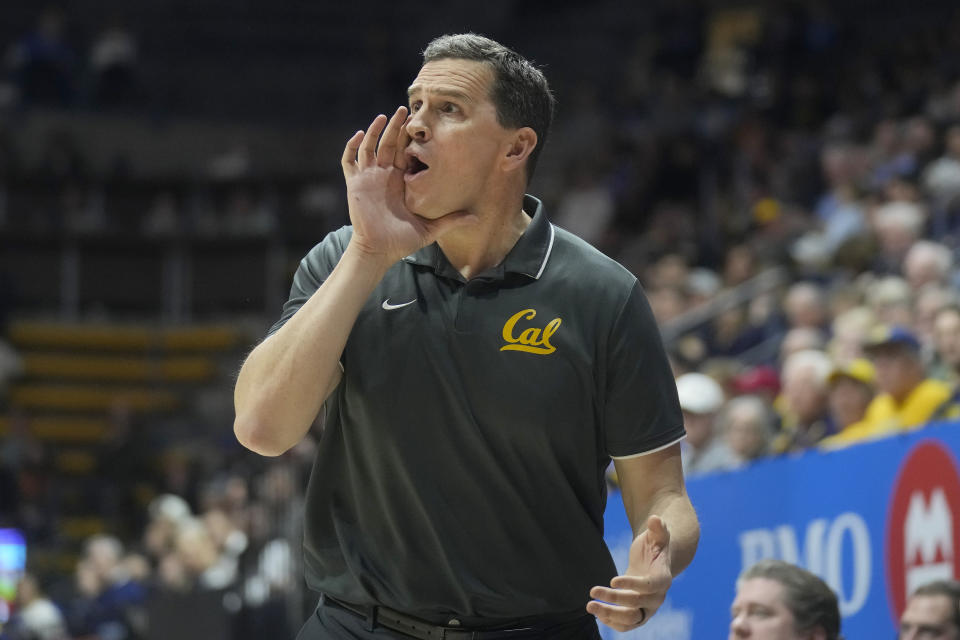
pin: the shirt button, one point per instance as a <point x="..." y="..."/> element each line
<point x="453" y="622"/>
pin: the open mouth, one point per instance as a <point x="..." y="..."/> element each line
<point x="415" y="165"/>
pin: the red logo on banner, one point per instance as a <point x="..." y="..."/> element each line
<point x="923" y="539"/>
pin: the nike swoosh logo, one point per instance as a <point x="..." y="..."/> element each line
<point x="390" y="307"/>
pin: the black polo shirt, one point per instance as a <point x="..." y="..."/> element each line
<point x="461" y="469"/>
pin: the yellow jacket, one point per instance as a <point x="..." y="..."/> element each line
<point x="885" y="417"/>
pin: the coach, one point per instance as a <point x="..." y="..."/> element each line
<point x="478" y="368"/>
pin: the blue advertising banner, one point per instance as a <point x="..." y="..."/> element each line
<point x="874" y="521"/>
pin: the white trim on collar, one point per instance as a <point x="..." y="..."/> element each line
<point x="547" y="256"/>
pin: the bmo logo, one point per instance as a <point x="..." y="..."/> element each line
<point x="923" y="541"/>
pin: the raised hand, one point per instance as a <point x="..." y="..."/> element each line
<point x="634" y="597"/>
<point x="383" y="227"/>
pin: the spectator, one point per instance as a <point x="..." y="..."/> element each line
<point x="801" y="339"/>
<point x="891" y="301"/>
<point x="927" y="303"/>
<point x="806" y="306"/>
<point x="802" y="404"/>
<point x="851" y="391"/>
<point x="747" y="425"/>
<point x="932" y="611"/>
<point x="946" y="340"/>
<point x="907" y="398"/>
<point x="35" y="617"/>
<point x="926" y="263"/>
<point x="779" y="601"/>
<point x="703" y="450"/>
<point x="43" y="63"/>
<point x="947" y="365"/>
<point x="848" y="329"/>
<point x="115" y="609"/>
<point x="897" y="226"/>
<point x="113" y="59"/>
<point x="941" y="178"/>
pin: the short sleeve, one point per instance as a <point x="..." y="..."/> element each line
<point x="641" y="412"/>
<point x="314" y="269"/>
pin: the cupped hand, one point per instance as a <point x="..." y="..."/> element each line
<point x="632" y="599"/>
<point x="373" y="164"/>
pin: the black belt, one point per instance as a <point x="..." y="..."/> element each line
<point x="416" y="628"/>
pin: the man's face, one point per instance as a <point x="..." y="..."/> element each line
<point x="759" y="612"/>
<point x="946" y="335"/>
<point x="699" y="427"/>
<point x="848" y="400"/>
<point x="745" y="435"/>
<point x="456" y="139"/>
<point x="897" y="370"/>
<point x="805" y="395"/>
<point x="928" y="618"/>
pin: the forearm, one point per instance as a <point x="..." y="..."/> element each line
<point x="285" y="380"/>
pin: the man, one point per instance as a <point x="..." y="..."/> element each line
<point x="932" y="612"/>
<point x="946" y="332"/>
<point x="851" y="391"/>
<point x="478" y="368"/>
<point x="779" y="601"/>
<point x="906" y="398"/>
<point x="946" y="341"/>
<point x="747" y="425"/>
<point x="703" y="451"/>
<point x="802" y="405"/>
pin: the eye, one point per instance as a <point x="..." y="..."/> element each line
<point x="449" y="107"/>
<point x="415" y="106"/>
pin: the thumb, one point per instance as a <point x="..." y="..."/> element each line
<point x="444" y="224"/>
<point x="657" y="532"/>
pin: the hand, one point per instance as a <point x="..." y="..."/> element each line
<point x="383" y="227"/>
<point x="633" y="598"/>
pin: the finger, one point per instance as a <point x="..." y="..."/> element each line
<point x="622" y="597"/>
<point x="403" y="139"/>
<point x="349" y="159"/>
<point x="642" y="584"/>
<point x="387" y="150"/>
<point x="367" y="156"/>
<point x="620" y="618"/>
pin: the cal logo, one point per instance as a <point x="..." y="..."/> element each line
<point x="531" y="339"/>
<point x="922" y="536"/>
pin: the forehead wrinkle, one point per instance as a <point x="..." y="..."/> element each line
<point x="464" y="79"/>
<point x="447" y="93"/>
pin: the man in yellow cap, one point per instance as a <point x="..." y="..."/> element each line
<point x="851" y="389"/>
<point x="907" y="399"/>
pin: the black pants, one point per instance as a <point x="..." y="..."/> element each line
<point x="331" y="623"/>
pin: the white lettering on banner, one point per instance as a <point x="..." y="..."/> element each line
<point x="833" y="575"/>
<point x="823" y="553"/>
<point x="928" y="528"/>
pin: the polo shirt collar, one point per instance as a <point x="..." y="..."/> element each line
<point x="528" y="257"/>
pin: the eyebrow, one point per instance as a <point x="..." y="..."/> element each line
<point x="449" y="93"/>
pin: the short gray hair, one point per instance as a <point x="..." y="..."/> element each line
<point x="947" y="588"/>
<point x="812" y="603"/>
<point x="519" y="91"/>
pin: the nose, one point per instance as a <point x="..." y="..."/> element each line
<point x="739" y="628"/>
<point x="417" y="127"/>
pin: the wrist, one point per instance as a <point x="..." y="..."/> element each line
<point x="367" y="265"/>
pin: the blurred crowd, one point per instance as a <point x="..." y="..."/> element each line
<point x="805" y="139"/>
<point x="221" y="560"/>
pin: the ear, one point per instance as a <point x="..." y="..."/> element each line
<point x="817" y="633"/>
<point x="520" y="145"/>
